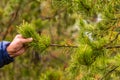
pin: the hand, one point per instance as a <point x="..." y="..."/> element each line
<point x="17" y="47"/>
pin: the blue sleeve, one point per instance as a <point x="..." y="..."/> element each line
<point x="4" y="56"/>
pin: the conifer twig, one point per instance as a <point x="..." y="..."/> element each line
<point x="110" y="47"/>
<point x="109" y="72"/>
<point x="57" y="45"/>
<point x="114" y="38"/>
<point x="106" y="45"/>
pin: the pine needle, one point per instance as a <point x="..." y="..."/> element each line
<point x="39" y="43"/>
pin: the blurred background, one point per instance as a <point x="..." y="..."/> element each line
<point x="91" y="25"/>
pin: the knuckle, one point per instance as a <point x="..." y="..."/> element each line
<point x="18" y="41"/>
<point x="18" y="35"/>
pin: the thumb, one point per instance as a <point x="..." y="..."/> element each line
<point x="26" y="40"/>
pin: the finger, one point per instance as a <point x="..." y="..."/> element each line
<point x="19" y="36"/>
<point x="26" y="40"/>
<point x="15" y="46"/>
<point x="20" y="52"/>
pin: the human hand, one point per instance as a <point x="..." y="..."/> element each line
<point x="17" y="47"/>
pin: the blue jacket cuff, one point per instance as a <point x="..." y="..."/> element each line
<point x="5" y="56"/>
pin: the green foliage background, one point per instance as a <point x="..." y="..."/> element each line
<point x="73" y="39"/>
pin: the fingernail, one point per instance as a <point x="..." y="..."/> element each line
<point x="31" y="39"/>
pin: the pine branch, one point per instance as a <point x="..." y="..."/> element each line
<point x="40" y="42"/>
<point x="85" y="6"/>
<point x="110" y="47"/>
<point x="114" y="38"/>
<point x="105" y="46"/>
<point x="57" y="45"/>
<point x="109" y="72"/>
